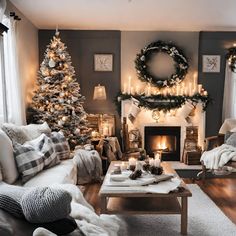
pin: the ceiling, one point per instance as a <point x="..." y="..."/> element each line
<point x="168" y="15"/>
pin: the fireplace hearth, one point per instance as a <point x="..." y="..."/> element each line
<point x="164" y="139"/>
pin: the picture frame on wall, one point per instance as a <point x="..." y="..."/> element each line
<point x="211" y="63"/>
<point x="103" y="62"/>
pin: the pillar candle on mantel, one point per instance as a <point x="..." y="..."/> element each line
<point x="194" y="82"/>
<point x="137" y="89"/>
<point x="199" y="88"/>
<point x="125" y="89"/>
<point x="129" y="84"/>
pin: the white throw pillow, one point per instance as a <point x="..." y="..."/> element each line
<point x="7" y="161"/>
<point x="24" y="133"/>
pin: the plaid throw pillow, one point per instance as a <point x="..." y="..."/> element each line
<point x="34" y="156"/>
<point x="61" y="145"/>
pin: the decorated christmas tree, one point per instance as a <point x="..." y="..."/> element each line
<point x="57" y="99"/>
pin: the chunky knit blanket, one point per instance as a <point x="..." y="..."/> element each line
<point x="218" y="157"/>
<point x="87" y="220"/>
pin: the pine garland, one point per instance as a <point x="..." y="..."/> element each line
<point x="161" y="102"/>
<point x="144" y="57"/>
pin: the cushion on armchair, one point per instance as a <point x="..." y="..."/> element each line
<point x="231" y="140"/>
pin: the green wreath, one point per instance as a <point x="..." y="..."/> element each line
<point x="142" y="59"/>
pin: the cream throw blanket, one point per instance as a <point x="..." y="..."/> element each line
<point x="87" y="220"/>
<point x="218" y="157"/>
<point x="89" y="166"/>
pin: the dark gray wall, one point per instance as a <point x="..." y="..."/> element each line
<point x="214" y="43"/>
<point x="82" y="45"/>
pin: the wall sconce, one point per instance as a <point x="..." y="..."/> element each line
<point x="99" y="93"/>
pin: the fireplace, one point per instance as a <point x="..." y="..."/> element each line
<point x="165" y="139"/>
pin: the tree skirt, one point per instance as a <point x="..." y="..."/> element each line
<point x="204" y="219"/>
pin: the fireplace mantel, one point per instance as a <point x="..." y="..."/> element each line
<point x="144" y="118"/>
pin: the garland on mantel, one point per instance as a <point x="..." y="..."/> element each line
<point x="163" y="102"/>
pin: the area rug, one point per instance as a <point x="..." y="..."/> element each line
<point x="204" y="219"/>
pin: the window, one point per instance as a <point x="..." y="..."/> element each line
<point x="12" y="108"/>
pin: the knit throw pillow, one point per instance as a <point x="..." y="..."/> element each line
<point x="61" y="145"/>
<point x="13" y="202"/>
<point x="43" y="204"/>
<point x="34" y="156"/>
<point x="10" y="197"/>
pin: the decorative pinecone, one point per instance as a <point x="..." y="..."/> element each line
<point x="136" y="174"/>
<point x="146" y="167"/>
<point x="156" y="170"/>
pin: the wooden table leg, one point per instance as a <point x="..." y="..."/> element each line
<point x="103" y="204"/>
<point x="184" y="215"/>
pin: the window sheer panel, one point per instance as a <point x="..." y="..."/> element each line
<point x="15" y="105"/>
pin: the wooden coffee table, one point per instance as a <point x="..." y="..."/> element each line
<point x="129" y="201"/>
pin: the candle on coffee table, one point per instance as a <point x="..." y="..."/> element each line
<point x="151" y="161"/>
<point x="132" y="163"/>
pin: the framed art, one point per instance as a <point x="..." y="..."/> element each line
<point x="103" y="62"/>
<point x="211" y="63"/>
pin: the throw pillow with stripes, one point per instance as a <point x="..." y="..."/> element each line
<point x="34" y="156"/>
<point x="61" y="145"/>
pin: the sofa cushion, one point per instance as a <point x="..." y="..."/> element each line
<point x="7" y="161"/>
<point x="21" y="134"/>
<point x="64" y="173"/>
<point x="33" y="156"/>
<point x="61" y="145"/>
<point x="45" y="204"/>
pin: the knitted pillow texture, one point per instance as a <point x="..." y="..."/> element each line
<point x="43" y="204"/>
<point x="10" y="198"/>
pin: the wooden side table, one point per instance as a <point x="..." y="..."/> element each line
<point x="192" y="157"/>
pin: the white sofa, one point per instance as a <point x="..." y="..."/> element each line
<point x="65" y="172"/>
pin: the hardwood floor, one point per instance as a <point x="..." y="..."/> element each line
<point x="221" y="190"/>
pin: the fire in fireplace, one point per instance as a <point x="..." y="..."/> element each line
<point x="164" y="139"/>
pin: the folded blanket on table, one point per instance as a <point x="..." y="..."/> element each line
<point x="89" y="166"/>
<point x="218" y="157"/>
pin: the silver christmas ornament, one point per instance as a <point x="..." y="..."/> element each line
<point x="51" y="63"/>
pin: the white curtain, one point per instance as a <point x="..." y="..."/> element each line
<point x="14" y="96"/>
<point x="229" y="103"/>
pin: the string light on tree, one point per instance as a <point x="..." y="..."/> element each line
<point x="57" y="99"/>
